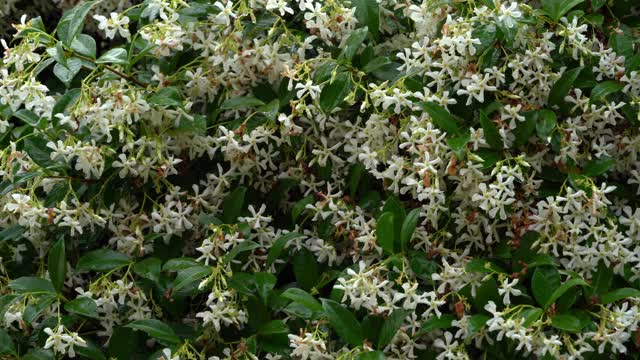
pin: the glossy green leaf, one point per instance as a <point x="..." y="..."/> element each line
<point x="343" y="322"/>
<point x="279" y="245"/>
<point x="563" y="85"/>
<point x="71" y="23"/>
<point x="83" y="306"/>
<point x="597" y="167"/>
<point x="408" y="227"/>
<point x="558" y="8"/>
<point x="368" y="14"/>
<point x="619" y="294"/>
<point x="57" y="261"/>
<point x="233" y="205"/>
<point x="605" y="88"/>
<point x="544" y="283"/>
<point x="302" y="297"/>
<point x="567" y="323"/>
<point x="434" y="323"/>
<point x="156" y="329"/>
<point x="559" y="291"/>
<point x="547" y="122"/>
<point x="391" y="326"/>
<point x="102" y="260"/>
<point x="190" y="275"/>
<point x="491" y="133"/>
<point x="241" y="102"/>
<point x="385" y="232"/>
<point x="441" y="117"/>
<point x="84" y="45"/>
<point x="30" y="284"/>
<point x="353" y="43"/>
<point x="333" y="94"/>
<point x="114" y="56"/>
<point x="6" y="344"/>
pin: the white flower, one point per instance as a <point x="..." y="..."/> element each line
<point x="114" y="24"/>
<point x="508" y="289"/>
<point x="225" y="14"/>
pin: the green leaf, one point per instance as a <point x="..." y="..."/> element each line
<point x="57" y="264"/>
<point x="178" y="264"/>
<point x="30" y="284"/>
<point x="544" y="282"/>
<point x="300" y="206"/>
<point x="241" y="102"/>
<point x="83" y="306"/>
<point x="371" y="355"/>
<point x="38" y="151"/>
<point x="270" y="110"/>
<point x="333" y="94"/>
<point x="246" y="245"/>
<point x="458" y="143"/>
<point x="601" y="281"/>
<point x="57" y="53"/>
<point x="483" y="266"/>
<point x="377" y="63"/>
<point x="385" y="232"/>
<point x="368" y="14"/>
<point x="597" y="4"/>
<point x="477" y="322"/>
<point x="233" y="204"/>
<point x="354" y="177"/>
<point x="408" y="227"/>
<point x="148" y="268"/>
<point x="91" y="351"/>
<point x="156" y="329"/>
<point x="530" y="315"/>
<point x="557" y="8"/>
<point x="555" y="295"/>
<point x="524" y="129"/>
<point x="441" y="117"/>
<point x="68" y="72"/>
<point x="390" y="327"/>
<point x="28" y="117"/>
<point x="343" y="322"/>
<point x="567" y="322"/>
<point x="605" y="88"/>
<point x="274" y="327"/>
<point x="102" y="260"/>
<point x="13" y="232"/>
<point x="434" y="323"/>
<point x="84" y="45"/>
<point x="302" y="297"/>
<point x="71" y="23"/>
<point x="598" y="167"/>
<point x="168" y="96"/>
<point x="491" y="133"/>
<point x="580" y="182"/>
<point x="189" y="276"/>
<point x="279" y="245"/>
<point x="561" y="88"/>
<point x="619" y="294"/>
<point x="114" y="56"/>
<point x="352" y="44"/>
<point x="65" y="101"/>
<point x="547" y="122"/>
<point x="264" y="282"/>
<point x="305" y="269"/>
<point x="6" y="344"/>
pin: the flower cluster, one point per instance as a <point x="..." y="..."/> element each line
<point x="303" y="179"/>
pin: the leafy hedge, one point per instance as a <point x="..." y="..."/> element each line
<point x="265" y="179"/>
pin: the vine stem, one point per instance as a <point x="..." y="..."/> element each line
<point x="117" y="72"/>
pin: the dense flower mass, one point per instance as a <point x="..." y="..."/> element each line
<point x="306" y="179"/>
